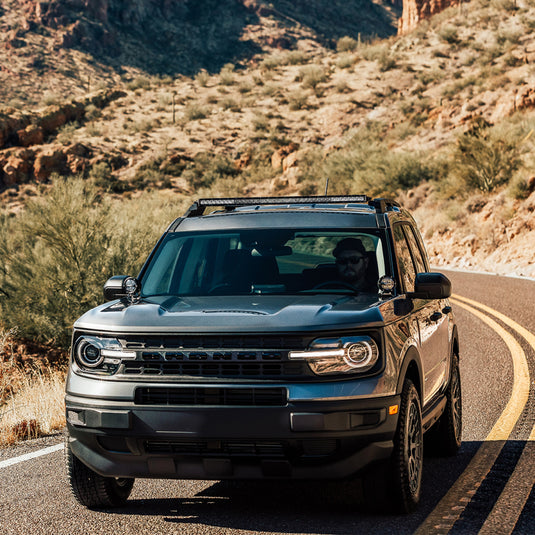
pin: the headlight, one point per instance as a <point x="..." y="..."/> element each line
<point x="92" y="352"/>
<point x="333" y="356"/>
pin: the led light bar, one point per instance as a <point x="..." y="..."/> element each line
<point x="197" y="208"/>
<point x="251" y="201"/>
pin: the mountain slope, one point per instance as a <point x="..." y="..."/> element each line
<point x="381" y="117"/>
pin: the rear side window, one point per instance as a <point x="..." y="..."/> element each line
<point x="406" y="266"/>
<point x="415" y="249"/>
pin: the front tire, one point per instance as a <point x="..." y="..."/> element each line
<point x="407" y="459"/>
<point x="91" y="489"/>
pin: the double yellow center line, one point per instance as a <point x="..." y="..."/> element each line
<point x="450" y="508"/>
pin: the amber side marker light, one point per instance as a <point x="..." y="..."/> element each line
<point x="393" y="409"/>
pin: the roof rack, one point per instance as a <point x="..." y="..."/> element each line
<point x="230" y="203"/>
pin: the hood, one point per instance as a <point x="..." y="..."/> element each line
<point x="251" y="313"/>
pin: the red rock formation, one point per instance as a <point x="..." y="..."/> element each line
<point x="416" y="10"/>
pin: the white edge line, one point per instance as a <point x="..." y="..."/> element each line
<point x="490" y="273"/>
<point x="32" y="455"/>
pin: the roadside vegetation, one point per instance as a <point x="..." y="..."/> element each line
<point x="433" y="118"/>
<point x="31" y="394"/>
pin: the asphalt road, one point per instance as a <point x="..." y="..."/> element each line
<point x="487" y="488"/>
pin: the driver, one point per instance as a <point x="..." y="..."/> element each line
<point x="352" y="262"/>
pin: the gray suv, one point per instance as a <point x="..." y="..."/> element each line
<point x="276" y="338"/>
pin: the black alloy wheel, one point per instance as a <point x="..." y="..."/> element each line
<point x="407" y="460"/>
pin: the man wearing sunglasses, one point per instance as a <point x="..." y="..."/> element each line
<point x="352" y="262"/>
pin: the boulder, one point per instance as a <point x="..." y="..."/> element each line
<point x="16" y="166"/>
<point x="57" y="116"/>
<point x="31" y="135"/>
<point x="51" y="160"/>
<point x="281" y="154"/>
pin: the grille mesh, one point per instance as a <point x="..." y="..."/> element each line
<point x="211" y="396"/>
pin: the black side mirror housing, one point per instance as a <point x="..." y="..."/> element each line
<point x="114" y="287"/>
<point x="431" y="286"/>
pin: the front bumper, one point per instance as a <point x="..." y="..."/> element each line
<point x="301" y="440"/>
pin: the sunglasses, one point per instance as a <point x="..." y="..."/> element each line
<point x="349" y="260"/>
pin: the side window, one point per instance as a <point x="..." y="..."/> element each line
<point x="407" y="271"/>
<point x="415" y="249"/>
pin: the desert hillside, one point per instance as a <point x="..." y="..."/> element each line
<point x="183" y="99"/>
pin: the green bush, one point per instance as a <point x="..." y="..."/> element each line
<point x="56" y="255"/>
<point x="365" y="166"/>
<point x="485" y="158"/>
<point x="346" y="44"/>
<point x="312" y="75"/>
<point x="207" y="168"/>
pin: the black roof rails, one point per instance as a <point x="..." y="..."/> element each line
<point x="230" y="203"/>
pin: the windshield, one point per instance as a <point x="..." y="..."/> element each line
<point x="265" y="261"/>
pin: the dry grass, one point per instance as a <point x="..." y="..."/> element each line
<point x="31" y="396"/>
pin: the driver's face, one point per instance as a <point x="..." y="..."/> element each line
<point x="351" y="266"/>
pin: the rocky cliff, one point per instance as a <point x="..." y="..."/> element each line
<point x="415" y="11"/>
<point x="172" y="36"/>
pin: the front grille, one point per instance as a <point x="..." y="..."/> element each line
<point x="238" y="357"/>
<point x="217" y="369"/>
<point x="250" y="397"/>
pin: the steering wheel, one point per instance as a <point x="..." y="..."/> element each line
<point x="334" y="284"/>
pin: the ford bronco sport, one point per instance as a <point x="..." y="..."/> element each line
<point x="244" y="350"/>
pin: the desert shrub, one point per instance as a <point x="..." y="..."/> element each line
<point x="51" y="99"/>
<point x="93" y="130"/>
<point x="207" y="168"/>
<point x="449" y="34"/>
<point x="230" y="104"/>
<point x="387" y="61"/>
<point x="194" y="112"/>
<point x="296" y="57"/>
<point x="102" y="177"/>
<point x="260" y="122"/>
<point x="346" y="60"/>
<point x="57" y="254"/>
<point x="297" y="100"/>
<point x="372" y="52"/>
<point x="140" y="82"/>
<point x="36" y="407"/>
<point x="312" y="75"/>
<point x="66" y="133"/>
<point x="365" y="166"/>
<point x="259" y="167"/>
<point x="226" y="75"/>
<point x="346" y="44"/>
<point x="139" y="126"/>
<point x="202" y="78"/>
<point x="245" y="88"/>
<point x="505" y="5"/>
<point x="485" y="158"/>
<point x="509" y="37"/>
<point x="518" y="187"/>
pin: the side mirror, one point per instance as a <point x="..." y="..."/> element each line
<point x="431" y="286"/>
<point x="114" y="287"/>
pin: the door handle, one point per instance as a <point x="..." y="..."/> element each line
<point x="435" y="316"/>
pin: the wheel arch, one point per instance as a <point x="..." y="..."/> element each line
<point x="411" y="368"/>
